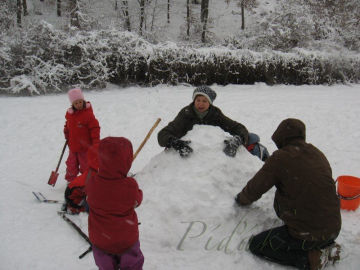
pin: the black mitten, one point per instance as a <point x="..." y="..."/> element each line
<point x="232" y="145"/>
<point x="181" y="146"/>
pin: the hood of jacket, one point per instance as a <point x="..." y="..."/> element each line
<point x="288" y="130"/>
<point x="72" y="110"/>
<point x="115" y="157"/>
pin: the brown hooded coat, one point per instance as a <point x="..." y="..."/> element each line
<point x="305" y="197"/>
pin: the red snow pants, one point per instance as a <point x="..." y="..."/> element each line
<point x="75" y="163"/>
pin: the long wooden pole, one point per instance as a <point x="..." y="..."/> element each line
<point x="146" y="138"/>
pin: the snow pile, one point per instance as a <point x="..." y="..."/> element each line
<point x="188" y="219"/>
<point x="191" y="202"/>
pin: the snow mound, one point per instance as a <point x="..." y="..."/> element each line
<point x="188" y="205"/>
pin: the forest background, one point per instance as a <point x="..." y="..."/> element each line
<point x="50" y="45"/>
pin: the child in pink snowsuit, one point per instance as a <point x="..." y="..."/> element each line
<point x="81" y="131"/>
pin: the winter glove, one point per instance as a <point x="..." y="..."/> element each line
<point x="241" y="200"/>
<point x="232" y="145"/>
<point x="181" y="146"/>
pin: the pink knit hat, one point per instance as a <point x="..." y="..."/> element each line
<point x="75" y="94"/>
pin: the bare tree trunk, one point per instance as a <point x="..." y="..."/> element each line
<point x="168" y="11"/>
<point x="142" y="16"/>
<point x="202" y="10"/>
<point x="242" y="14"/>
<point x="204" y="15"/>
<point x="153" y="16"/>
<point x="58" y="8"/>
<point x="74" y="16"/>
<point x="18" y="12"/>
<point x="125" y="10"/>
<point x="188" y="17"/>
<point x="116" y="5"/>
<point x="25" y="8"/>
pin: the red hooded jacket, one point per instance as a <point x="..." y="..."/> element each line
<point x="112" y="198"/>
<point x="81" y="128"/>
<point x="92" y="156"/>
<point x="75" y="191"/>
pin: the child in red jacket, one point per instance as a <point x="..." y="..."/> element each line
<point x="112" y="197"/>
<point x="81" y="131"/>
<point x="75" y="193"/>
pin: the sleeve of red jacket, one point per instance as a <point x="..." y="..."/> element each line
<point x="66" y="131"/>
<point x="94" y="128"/>
<point x="139" y="197"/>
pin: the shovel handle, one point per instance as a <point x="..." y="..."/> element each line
<point x="146" y="138"/>
<point x="62" y="154"/>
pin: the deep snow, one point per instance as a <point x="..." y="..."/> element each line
<point x="188" y="218"/>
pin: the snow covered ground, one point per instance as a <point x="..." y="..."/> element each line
<point x="188" y="219"/>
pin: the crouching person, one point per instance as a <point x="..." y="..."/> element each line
<point x="75" y="192"/>
<point x="112" y="198"/>
<point x="305" y="200"/>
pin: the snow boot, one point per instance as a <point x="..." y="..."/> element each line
<point x="320" y="258"/>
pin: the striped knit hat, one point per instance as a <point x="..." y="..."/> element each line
<point x="206" y="92"/>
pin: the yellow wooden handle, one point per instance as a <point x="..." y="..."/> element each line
<point x="146" y="138"/>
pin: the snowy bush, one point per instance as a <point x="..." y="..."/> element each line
<point x="7" y="10"/>
<point x="309" y="24"/>
<point x="22" y="85"/>
<point x="52" y="61"/>
<point x="223" y="66"/>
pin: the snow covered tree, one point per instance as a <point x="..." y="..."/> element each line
<point x="204" y="18"/>
<point x="188" y="17"/>
<point x="244" y="4"/>
<point x="58" y="8"/>
<point x="7" y="11"/>
<point x="25" y="11"/>
<point x="338" y="20"/>
<point x="74" y="13"/>
<point x="142" y="16"/>
<point x="125" y="11"/>
<point x="18" y="12"/>
<point x="154" y="15"/>
<point x="168" y="11"/>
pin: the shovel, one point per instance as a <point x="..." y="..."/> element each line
<point x="146" y="138"/>
<point x="54" y="174"/>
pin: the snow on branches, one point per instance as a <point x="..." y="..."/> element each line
<point x="44" y="60"/>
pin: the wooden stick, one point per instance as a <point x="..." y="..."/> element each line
<point x="62" y="154"/>
<point x="146" y="138"/>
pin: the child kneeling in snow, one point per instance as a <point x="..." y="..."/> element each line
<point x="75" y="192"/>
<point x="112" y="198"/>
<point x="81" y="130"/>
<point x="202" y="112"/>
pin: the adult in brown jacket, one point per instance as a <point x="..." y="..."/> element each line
<point x="305" y="200"/>
<point x="202" y="112"/>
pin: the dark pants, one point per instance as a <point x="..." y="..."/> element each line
<point x="279" y="246"/>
